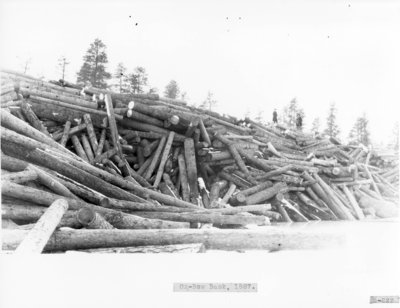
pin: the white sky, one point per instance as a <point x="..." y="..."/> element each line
<point x="254" y="55"/>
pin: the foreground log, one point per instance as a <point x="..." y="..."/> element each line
<point x="271" y="238"/>
<point x="37" y="238"/>
<point x="182" y="248"/>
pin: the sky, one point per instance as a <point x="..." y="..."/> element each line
<point x="253" y="55"/>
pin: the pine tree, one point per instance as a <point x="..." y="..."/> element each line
<point x="184" y="96"/>
<point x="316" y="124"/>
<point x="360" y="131"/>
<point x="332" y="129"/>
<point x="153" y="90"/>
<point x="260" y="116"/>
<point x="289" y="114"/>
<point x="138" y="79"/>
<point x="93" y="69"/>
<point x="209" y="102"/>
<point x="396" y="136"/>
<point x="172" y="90"/>
<point x="62" y="63"/>
<point x="122" y="82"/>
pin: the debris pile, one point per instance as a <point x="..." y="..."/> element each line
<point x="140" y="161"/>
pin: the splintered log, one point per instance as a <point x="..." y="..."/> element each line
<point x="216" y="189"/>
<point x="190" y="158"/>
<point x="90" y="130"/>
<point x="118" y="219"/>
<point x="92" y="220"/>
<point x="164" y="157"/>
<point x="184" y="178"/>
<point x="37" y="238"/>
<point x="271" y="239"/>
<point x="65" y="134"/>
<point x="229" y="193"/>
<point x="100" y="146"/>
<point x="32" y="118"/>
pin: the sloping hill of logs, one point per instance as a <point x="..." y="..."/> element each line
<point x="80" y="164"/>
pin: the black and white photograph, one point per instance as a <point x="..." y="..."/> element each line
<point x="199" y="153"/>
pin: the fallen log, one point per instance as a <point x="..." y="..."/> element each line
<point x="270" y="239"/>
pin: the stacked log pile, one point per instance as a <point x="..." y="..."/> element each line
<point x="140" y="161"/>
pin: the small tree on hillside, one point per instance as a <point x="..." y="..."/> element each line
<point x="289" y="115"/>
<point x="120" y="75"/>
<point x="332" y="129"/>
<point x="209" y="102"/>
<point x="360" y="131"/>
<point x="138" y="79"/>
<point x="172" y="90"/>
<point x="315" y="126"/>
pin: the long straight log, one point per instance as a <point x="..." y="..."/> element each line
<point x="272" y="238"/>
<point x="37" y="238"/>
<point x="213" y="218"/>
<point x="182" y="248"/>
